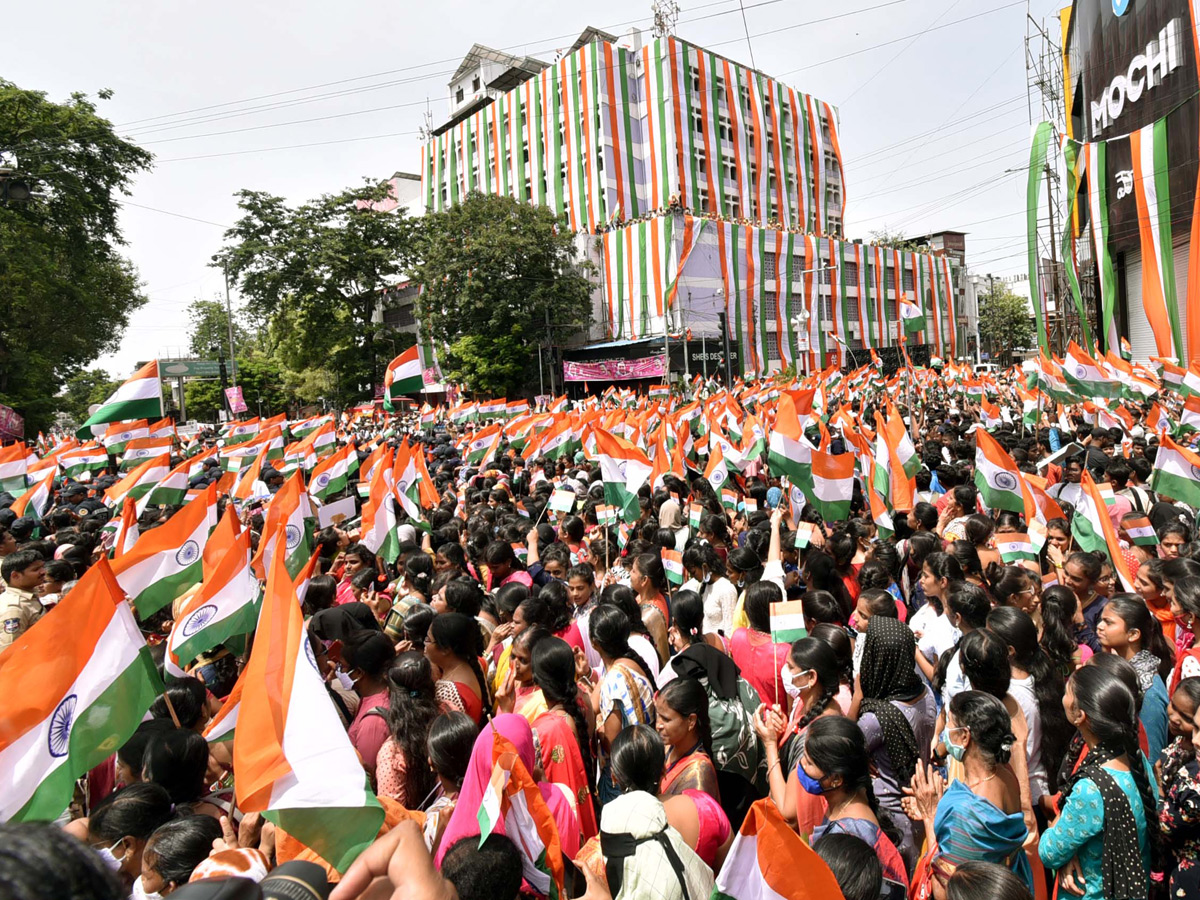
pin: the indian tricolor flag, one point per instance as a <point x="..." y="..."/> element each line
<point x="287" y="525"/>
<point x="13" y="465"/>
<point x="832" y="485"/>
<point x="144" y="448"/>
<point x="173" y="488"/>
<point x="1014" y="548"/>
<point x="787" y="621"/>
<point x="294" y="762"/>
<point x="1176" y="473"/>
<point x="126" y="532"/>
<point x="673" y="564"/>
<point x="72" y="689"/>
<point x="221" y="726"/>
<point x="483" y="445"/>
<point x="1084" y="376"/>
<point x="378" y="531"/>
<point x="224" y="606"/>
<point x="768" y="860"/>
<point x="34" y="501"/>
<point x="140" y="481"/>
<point x="996" y="475"/>
<point x="1093" y="529"/>
<point x="989" y="414"/>
<point x="716" y="473"/>
<point x="91" y="457"/>
<point x="332" y="473"/>
<point x="1139" y="531"/>
<point x="911" y="315"/>
<point x="166" y="562"/>
<point x="513" y="806"/>
<point x="404" y="375"/>
<point x="624" y="469"/>
<point x="788" y="452"/>
<point x="138" y="398"/>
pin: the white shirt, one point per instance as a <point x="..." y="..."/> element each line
<point x="938" y="637"/>
<point x="1021" y="690"/>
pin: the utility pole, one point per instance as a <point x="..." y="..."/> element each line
<point x="687" y="374"/>
<point x="229" y="322"/>
<point x="550" y="350"/>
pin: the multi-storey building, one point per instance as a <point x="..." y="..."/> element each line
<point x="701" y="188"/>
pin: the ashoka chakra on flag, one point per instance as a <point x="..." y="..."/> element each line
<point x="61" y="720"/>
<point x="1005" y="481"/>
<point x="322" y="479"/>
<point x="199" y="619"/>
<point x="188" y="553"/>
<point x="293" y="536"/>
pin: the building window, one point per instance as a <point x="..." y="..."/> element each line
<point x="771" y="345"/>
<point x="458" y="96"/>
<point x="768" y="269"/>
<point x="851" y="273"/>
<point x="475" y="84"/>
<point x="908" y="279"/>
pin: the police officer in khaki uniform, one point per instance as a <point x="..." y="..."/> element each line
<point x="23" y="571"/>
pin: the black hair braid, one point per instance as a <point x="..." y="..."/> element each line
<point x="1133" y="752"/>
<point x="819" y="707"/>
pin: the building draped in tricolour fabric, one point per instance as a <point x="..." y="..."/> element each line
<point x="700" y="188"/>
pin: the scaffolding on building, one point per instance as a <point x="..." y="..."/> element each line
<point x="1045" y="87"/>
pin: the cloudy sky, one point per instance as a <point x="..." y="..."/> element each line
<point x="302" y="98"/>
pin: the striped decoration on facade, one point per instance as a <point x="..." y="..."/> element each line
<point x="607" y="135"/>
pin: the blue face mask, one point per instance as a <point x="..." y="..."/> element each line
<point x="810" y="784"/>
<point x="956" y="752"/>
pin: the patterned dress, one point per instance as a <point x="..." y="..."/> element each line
<point x="1179" y="818"/>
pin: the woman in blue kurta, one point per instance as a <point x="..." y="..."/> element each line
<point x="1099" y="843"/>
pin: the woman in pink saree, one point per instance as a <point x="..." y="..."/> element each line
<point x="464" y="822"/>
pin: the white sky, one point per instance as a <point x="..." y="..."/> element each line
<point x="929" y="123"/>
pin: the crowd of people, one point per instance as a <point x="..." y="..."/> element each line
<point x="958" y="720"/>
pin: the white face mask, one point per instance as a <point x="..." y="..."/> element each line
<point x="140" y="892"/>
<point x="789" y="682"/>
<point x="111" y="859"/>
<point x="707" y="578"/>
<point x="346" y="681"/>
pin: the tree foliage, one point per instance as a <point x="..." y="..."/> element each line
<point x="497" y="273"/>
<point x="67" y="291"/>
<point x="897" y="241"/>
<point x="315" y="273"/>
<point x="208" y="327"/>
<point x="260" y="379"/>
<point x="83" y="389"/>
<point x="1005" y="322"/>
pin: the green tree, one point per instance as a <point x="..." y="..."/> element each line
<point x="315" y="274"/>
<point x="208" y="327"/>
<point x="67" y="291"/>
<point x="897" y="241"/>
<point x="496" y="272"/>
<point x="1005" y="322"/>
<point x="83" y="389"/>
<point x="259" y="377"/>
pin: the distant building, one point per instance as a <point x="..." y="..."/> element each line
<point x="703" y="190"/>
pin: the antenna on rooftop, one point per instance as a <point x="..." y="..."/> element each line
<point x="666" y="17"/>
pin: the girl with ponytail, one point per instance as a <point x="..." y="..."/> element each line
<point x="812" y="678"/>
<point x="835" y="766"/>
<point x="683" y="723"/>
<point x="454" y="644"/>
<point x="1109" y="806"/>
<point x="562" y="730"/>
<point x="1130" y="630"/>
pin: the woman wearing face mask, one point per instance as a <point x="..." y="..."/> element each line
<point x="812" y="678"/>
<point x="761" y="659"/>
<point x="1100" y="843"/>
<point x="707" y="572"/>
<point x="977" y="817"/>
<point x="897" y="713"/>
<point x="122" y="822"/>
<point x="172" y="853"/>
<point x="366" y="658"/>
<point x="835" y="766"/>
